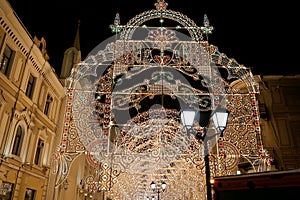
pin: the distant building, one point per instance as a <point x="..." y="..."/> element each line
<point x="31" y="101"/>
<point x="279" y="107"/>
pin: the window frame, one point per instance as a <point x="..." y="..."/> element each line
<point x="18" y="141"/>
<point x="6" y="189"/>
<point x="6" y="60"/>
<point x="48" y="103"/>
<point x="39" y="151"/>
<point x="30" y="86"/>
<point x="30" y="196"/>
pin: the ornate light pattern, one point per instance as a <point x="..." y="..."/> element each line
<point x="123" y="111"/>
<point x="206" y="28"/>
<point x="115" y="27"/>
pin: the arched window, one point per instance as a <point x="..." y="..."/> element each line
<point x="30" y="86"/>
<point x="18" y="141"/>
<point x="39" y="151"/>
<point x="48" y="104"/>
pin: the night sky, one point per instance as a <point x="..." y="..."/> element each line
<point x="257" y="34"/>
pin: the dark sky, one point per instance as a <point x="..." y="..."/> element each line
<point x="255" y="33"/>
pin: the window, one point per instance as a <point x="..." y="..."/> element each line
<point x="30" y="86"/>
<point x="6" y="60"/>
<point x="39" y="151"/>
<point x="6" y="189"/>
<point x="47" y="105"/>
<point x="30" y="194"/>
<point x="18" y="141"/>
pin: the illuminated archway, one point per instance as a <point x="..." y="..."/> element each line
<point x="118" y="115"/>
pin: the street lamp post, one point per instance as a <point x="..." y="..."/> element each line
<point x="220" y="118"/>
<point x="207" y="168"/>
<point x="157" y="189"/>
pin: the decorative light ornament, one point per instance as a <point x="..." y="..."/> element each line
<point x="161" y="5"/>
<point x="206" y="29"/>
<point x="115" y="28"/>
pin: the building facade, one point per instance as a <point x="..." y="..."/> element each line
<point x="31" y="100"/>
<point x="279" y="102"/>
